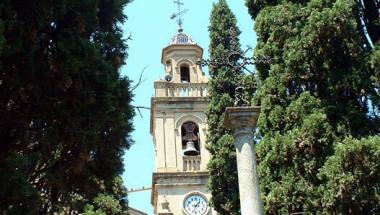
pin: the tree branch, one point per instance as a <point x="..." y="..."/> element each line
<point x="139" y="109"/>
<point x="140" y="81"/>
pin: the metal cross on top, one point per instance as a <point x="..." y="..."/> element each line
<point x="179" y="14"/>
<point x="238" y="62"/>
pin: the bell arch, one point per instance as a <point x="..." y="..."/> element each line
<point x="185" y="61"/>
<point x="181" y="131"/>
<point x="188" y="117"/>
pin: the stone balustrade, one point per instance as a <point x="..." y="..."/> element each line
<point x="170" y="89"/>
<point x="191" y="163"/>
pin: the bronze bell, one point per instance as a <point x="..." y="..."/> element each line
<point x="190" y="138"/>
<point x="190" y="149"/>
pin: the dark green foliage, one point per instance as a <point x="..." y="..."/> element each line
<point x="223" y="184"/>
<point x="109" y="201"/>
<point x="319" y="98"/>
<point x="223" y="170"/>
<point x="352" y="176"/>
<point x="65" y="114"/>
<point x="289" y="158"/>
<point x="104" y="205"/>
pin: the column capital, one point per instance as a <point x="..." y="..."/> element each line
<point x="241" y="117"/>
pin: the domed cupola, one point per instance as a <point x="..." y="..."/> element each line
<point x="182" y="38"/>
<point x="180" y="59"/>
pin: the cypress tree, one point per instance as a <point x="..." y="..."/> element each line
<point x="319" y="122"/>
<point x="65" y="113"/>
<point x="222" y="166"/>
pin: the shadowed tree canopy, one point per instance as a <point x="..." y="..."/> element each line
<point x="65" y="113"/>
<point x="320" y="105"/>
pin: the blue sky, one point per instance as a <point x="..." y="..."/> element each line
<point x="151" y="29"/>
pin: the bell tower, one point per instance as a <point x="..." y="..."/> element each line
<point x="178" y="127"/>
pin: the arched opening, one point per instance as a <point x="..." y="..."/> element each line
<point x="185" y="73"/>
<point x="190" y="139"/>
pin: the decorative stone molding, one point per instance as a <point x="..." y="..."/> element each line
<point x="171" y="89"/>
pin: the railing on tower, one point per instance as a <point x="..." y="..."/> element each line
<point x="168" y="89"/>
<point x="191" y="163"/>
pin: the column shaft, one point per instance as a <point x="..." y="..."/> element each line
<point x="249" y="188"/>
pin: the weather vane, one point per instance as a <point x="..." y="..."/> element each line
<point x="179" y="14"/>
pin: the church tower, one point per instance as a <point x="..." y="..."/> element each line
<point x="178" y="127"/>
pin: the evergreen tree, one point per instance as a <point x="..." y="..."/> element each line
<point x="65" y="113"/>
<point x="352" y="177"/>
<point x="109" y="203"/>
<point x="320" y="106"/>
<point x="222" y="166"/>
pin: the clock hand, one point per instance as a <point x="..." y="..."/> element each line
<point x="199" y="201"/>
<point x="195" y="207"/>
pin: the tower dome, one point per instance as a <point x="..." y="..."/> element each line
<point x="182" y="38"/>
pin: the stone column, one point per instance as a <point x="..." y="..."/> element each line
<point x="242" y="121"/>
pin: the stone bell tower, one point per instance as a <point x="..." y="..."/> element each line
<point x="178" y="127"/>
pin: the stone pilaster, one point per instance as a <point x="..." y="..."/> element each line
<point x="242" y="121"/>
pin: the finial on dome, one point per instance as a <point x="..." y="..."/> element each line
<point x="180" y="38"/>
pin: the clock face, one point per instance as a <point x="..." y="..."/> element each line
<point x="195" y="204"/>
